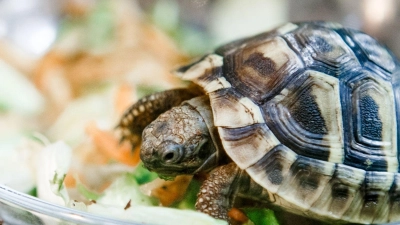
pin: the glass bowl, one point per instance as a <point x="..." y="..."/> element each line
<point x="19" y="208"/>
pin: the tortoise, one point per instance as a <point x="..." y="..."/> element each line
<point x="303" y="117"/>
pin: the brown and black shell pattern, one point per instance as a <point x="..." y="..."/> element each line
<point x="309" y="111"/>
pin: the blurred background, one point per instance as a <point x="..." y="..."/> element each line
<point x="199" y="25"/>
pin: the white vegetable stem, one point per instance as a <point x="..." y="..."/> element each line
<point x="53" y="165"/>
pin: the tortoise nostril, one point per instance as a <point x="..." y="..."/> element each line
<point x="169" y="156"/>
<point x="171" y="153"/>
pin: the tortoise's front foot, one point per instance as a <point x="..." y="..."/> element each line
<point x="218" y="191"/>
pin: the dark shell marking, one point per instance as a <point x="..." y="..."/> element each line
<point x="310" y="112"/>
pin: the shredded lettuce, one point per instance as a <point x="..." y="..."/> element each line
<point x="156" y="215"/>
<point x="16" y="171"/>
<point x="71" y="123"/>
<point x="124" y="200"/>
<point x="17" y="93"/>
<point x="88" y="194"/>
<point x="123" y="191"/>
<point x="261" y="216"/>
<point x="54" y="162"/>
<point x="101" y="37"/>
<point x="104" y="34"/>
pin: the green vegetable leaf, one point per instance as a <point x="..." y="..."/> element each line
<point x="261" y="216"/>
<point x="100" y="35"/>
<point x="189" y="200"/>
<point x="88" y="194"/>
<point x="167" y="177"/>
<point x="143" y="175"/>
<point x="32" y="192"/>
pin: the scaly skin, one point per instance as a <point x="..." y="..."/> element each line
<point x="178" y="141"/>
<point x="217" y="193"/>
<point x="148" y="108"/>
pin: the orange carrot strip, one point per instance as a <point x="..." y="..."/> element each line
<point x="124" y="98"/>
<point x="238" y="215"/>
<point x="108" y="144"/>
<point x="69" y="180"/>
<point x="169" y="192"/>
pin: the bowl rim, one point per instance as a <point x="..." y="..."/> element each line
<point x="24" y="201"/>
<point x="14" y="198"/>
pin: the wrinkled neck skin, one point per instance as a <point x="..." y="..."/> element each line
<point x="182" y="140"/>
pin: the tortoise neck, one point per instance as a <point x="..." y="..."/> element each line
<point x="202" y="106"/>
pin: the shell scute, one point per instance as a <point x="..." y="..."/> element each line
<point x="374" y="51"/>
<point x="322" y="49"/>
<point x="370" y="125"/>
<point x="306" y="181"/>
<point x="230" y="109"/>
<point x="204" y="71"/>
<point x="271" y="170"/>
<point x="306" y="116"/>
<point x="394" y="195"/>
<point x="340" y="193"/>
<point x="258" y="70"/>
<point x="375" y="207"/>
<point x="247" y="144"/>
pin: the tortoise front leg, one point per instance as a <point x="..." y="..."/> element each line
<point x="217" y="193"/>
<point x="148" y="108"/>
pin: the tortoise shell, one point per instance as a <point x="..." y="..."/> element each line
<point x="309" y="111"/>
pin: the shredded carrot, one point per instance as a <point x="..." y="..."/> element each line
<point x="169" y="192"/>
<point x="90" y="154"/>
<point x="107" y="144"/>
<point x="124" y="97"/>
<point x="103" y="187"/>
<point x="238" y="216"/>
<point x="47" y="65"/>
<point x="69" y="180"/>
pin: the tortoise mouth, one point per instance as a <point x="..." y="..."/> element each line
<point x="208" y="164"/>
<point x="170" y="172"/>
<point x="166" y="174"/>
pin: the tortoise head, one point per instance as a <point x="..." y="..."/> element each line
<point x="178" y="142"/>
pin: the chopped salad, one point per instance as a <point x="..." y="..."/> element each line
<point x="58" y="140"/>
